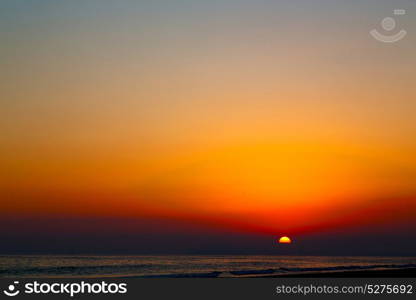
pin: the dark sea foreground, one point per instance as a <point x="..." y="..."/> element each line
<point x="402" y="272"/>
<point x="201" y="266"/>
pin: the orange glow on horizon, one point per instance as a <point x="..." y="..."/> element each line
<point x="220" y="127"/>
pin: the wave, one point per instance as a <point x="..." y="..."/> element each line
<point x="320" y="269"/>
<point x="79" y="270"/>
<point x="214" y="274"/>
<point x="160" y="271"/>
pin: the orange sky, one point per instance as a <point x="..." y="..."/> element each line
<point x="230" y="127"/>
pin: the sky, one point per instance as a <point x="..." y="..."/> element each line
<point x="206" y="127"/>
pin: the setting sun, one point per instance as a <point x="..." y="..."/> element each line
<point x="285" y="240"/>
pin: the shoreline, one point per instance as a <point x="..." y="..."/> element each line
<point x="391" y="273"/>
<point x="381" y="273"/>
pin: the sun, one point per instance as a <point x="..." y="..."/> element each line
<point x="285" y="240"/>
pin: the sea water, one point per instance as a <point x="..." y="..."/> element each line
<point x="48" y="266"/>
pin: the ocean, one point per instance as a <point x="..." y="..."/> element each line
<point x="72" y="266"/>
